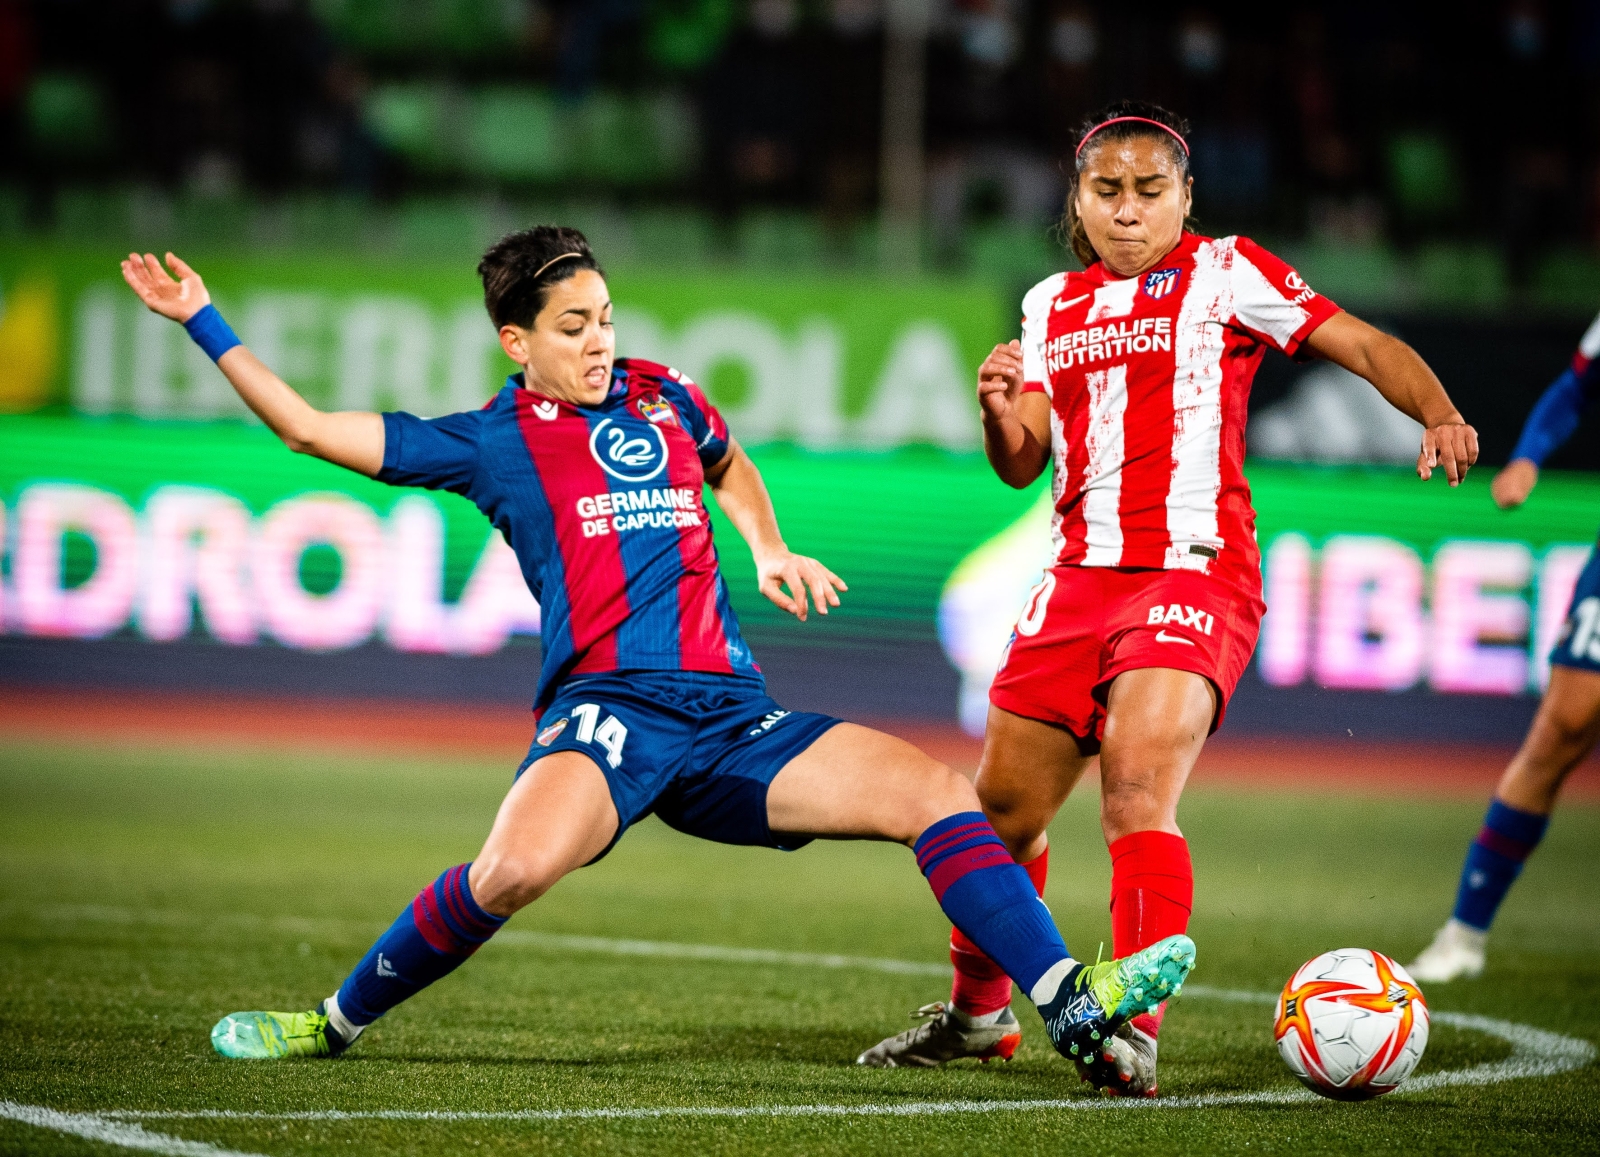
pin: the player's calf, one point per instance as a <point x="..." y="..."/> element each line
<point x="990" y="898"/>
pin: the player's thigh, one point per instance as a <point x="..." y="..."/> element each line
<point x="1157" y="721"/>
<point x="557" y="817"/>
<point x="1028" y="769"/>
<point x="856" y="783"/>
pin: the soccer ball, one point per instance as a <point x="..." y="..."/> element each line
<point x="1351" y="1024"/>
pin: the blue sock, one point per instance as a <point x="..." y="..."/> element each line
<point x="989" y="897"/>
<point x="440" y="929"/>
<point x="1494" y="860"/>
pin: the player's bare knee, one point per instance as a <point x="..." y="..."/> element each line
<point x="1016" y="818"/>
<point x="1560" y="736"/>
<point x="1130" y="806"/>
<point x="944" y="793"/>
<point x="503" y="884"/>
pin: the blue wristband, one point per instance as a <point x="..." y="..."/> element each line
<point x="211" y="333"/>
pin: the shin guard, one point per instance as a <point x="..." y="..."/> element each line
<point x="980" y="985"/>
<point x="428" y="940"/>
<point x="1152" y="893"/>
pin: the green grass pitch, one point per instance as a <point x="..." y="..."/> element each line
<point x="146" y="892"/>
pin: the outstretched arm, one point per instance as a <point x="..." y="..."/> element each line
<point x="1406" y="382"/>
<point x="1553" y="419"/>
<point x="743" y="497"/>
<point x="352" y="440"/>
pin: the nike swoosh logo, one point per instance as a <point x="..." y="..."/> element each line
<point x="1074" y="301"/>
<point x="1163" y="637"/>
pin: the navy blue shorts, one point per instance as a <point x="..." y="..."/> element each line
<point x="698" y="749"/>
<point x="1578" y="644"/>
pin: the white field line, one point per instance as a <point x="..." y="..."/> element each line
<point x="1534" y="1053"/>
<point x="99" y="1127"/>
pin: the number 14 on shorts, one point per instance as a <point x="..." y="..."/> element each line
<point x="610" y="735"/>
<point x="1181" y="616"/>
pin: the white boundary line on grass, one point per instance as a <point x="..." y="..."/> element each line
<point x="102" y="1127"/>
<point x="1534" y="1053"/>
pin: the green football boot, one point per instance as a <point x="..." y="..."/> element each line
<point x="260" y="1036"/>
<point x="1095" y="999"/>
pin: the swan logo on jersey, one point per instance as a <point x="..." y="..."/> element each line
<point x="657" y="411"/>
<point x="1160" y="283"/>
<point x="626" y="455"/>
<point x="552" y="733"/>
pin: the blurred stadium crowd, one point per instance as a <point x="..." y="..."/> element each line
<point x="757" y="123"/>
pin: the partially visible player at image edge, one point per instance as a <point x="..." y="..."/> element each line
<point x="1568" y="722"/>
<point x="648" y="700"/>
<point x="1131" y="382"/>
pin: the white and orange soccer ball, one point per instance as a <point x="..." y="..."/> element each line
<point x="1351" y="1024"/>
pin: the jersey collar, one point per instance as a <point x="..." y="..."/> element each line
<point x="619" y="388"/>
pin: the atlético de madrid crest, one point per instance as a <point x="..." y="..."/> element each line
<point x="1160" y="283"/>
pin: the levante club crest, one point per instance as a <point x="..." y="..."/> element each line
<point x="657" y="411"/>
<point x="550" y="734"/>
<point x="1160" y="283"/>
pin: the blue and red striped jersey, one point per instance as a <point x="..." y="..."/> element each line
<point x="603" y="507"/>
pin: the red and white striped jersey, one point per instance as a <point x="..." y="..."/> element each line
<point x="1148" y="379"/>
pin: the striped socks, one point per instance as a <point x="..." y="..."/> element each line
<point x="441" y="928"/>
<point x="980" y="987"/>
<point x="990" y="898"/>
<point x="1494" y="860"/>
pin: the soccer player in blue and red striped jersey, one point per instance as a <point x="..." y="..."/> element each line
<point x="649" y="700"/>
<point x="1567" y="726"/>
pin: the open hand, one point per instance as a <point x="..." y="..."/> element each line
<point x="1511" y="487"/>
<point x="180" y="300"/>
<point x="1452" y="445"/>
<point x="1000" y="380"/>
<point x="800" y="574"/>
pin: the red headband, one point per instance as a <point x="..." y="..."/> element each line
<point x="1172" y="132"/>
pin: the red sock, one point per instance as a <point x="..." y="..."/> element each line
<point x="980" y="986"/>
<point x="1152" y="892"/>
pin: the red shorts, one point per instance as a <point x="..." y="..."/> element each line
<point x="1085" y="625"/>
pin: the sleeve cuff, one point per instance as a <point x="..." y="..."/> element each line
<point x="392" y="441"/>
<point x="1320" y="310"/>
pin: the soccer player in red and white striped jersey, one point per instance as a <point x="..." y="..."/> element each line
<point x="1130" y="383"/>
